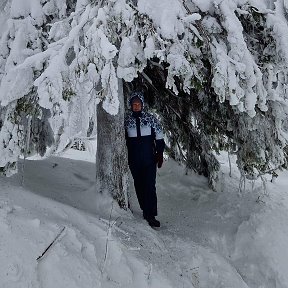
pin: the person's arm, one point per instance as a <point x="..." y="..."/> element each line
<point x="125" y="128"/>
<point x="159" y="142"/>
<point x="126" y="136"/>
<point x="160" y="145"/>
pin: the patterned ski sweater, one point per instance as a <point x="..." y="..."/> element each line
<point x="142" y="127"/>
<point x="148" y="125"/>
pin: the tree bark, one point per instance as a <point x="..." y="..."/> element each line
<point x="111" y="155"/>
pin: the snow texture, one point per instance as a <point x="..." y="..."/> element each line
<point x="207" y="239"/>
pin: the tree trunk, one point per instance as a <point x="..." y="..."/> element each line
<point x="111" y="156"/>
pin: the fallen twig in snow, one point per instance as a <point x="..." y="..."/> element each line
<point x="115" y="226"/>
<point x="149" y="274"/>
<point x="108" y="238"/>
<point x="51" y="244"/>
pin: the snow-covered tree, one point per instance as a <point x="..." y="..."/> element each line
<point x="214" y="70"/>
<point x="237" y="98"/>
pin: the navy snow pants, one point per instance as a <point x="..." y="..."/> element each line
<point x="144" y="183"/>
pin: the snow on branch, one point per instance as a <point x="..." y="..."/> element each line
<point x="69" y="56"/>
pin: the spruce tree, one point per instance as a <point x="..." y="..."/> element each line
<point x="214" y="71"/>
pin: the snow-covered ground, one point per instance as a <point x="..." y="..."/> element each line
<point x="3" y="17"/>
<point x="208" y="239"/>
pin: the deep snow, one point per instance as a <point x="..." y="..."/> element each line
<point x="208" y="239"/>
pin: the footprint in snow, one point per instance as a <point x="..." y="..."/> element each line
<point x="14" y="272"/>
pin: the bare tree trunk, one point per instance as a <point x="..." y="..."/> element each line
<point x="111" y="156"/>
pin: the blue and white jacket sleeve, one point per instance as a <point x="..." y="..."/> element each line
<point x="159" y="140"/>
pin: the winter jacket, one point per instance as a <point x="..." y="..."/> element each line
<point x="144" y="137"/>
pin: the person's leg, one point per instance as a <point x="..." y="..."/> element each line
<point x="138" y="184"/>
<point x="149" y="187"/>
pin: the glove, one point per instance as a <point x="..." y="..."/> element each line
<point x="159" y="159"/>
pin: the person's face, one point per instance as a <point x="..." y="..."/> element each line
<point x="136" y="105"/>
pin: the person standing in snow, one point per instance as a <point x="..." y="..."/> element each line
<point x="145" y="144"/>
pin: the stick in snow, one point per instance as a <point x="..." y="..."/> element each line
<point x="53" y="242"/>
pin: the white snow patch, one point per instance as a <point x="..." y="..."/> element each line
<point x="207" y="239"/>
<point x="166" y="14"/>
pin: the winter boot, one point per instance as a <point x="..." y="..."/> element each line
<point x="152" y="221"/>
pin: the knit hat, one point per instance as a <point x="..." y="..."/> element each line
<point x="136" y="94"/>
